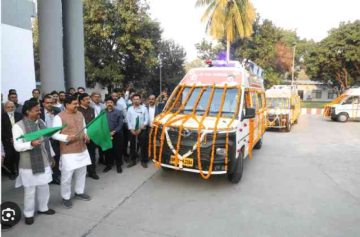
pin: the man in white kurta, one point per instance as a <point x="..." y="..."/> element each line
<point x="74" y="155"/>
<point x="36" y="157"/>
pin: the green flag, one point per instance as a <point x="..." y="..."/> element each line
<point x="47" y="132"/>
<point x="137" y="123"/>
<point x="99" y="132"/>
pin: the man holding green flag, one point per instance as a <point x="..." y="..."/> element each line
<point x="74" y="155"/>
<point x="138" y="118"/>
<point x="36" y="160"/>
<point x="114" y="127"/>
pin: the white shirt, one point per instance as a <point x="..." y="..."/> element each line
<point x="151" y="114"/>
<point x="97" y="108"/>
<point x="49" y="117"/>
<point x="70" y="161"/>
<point x="26" y="178"/>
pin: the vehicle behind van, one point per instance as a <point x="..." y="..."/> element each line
<point x="283" y="107"/>
<point x="345" y="107"/>
<point x="212" y="121"/>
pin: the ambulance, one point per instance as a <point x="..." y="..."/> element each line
<point x="283" y="107"/>
<point x="345" y="107"/>
<point x="212" y="121"/>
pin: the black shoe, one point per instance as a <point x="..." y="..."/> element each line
<point x="94" y="176"/>
<point x="83" y="197"/>
<point x="12" y="176"/>
<point x="48" y="212"/>
<point x="67" y="203"/>
<point x="131" y="164"/>
<point x="107" y="168"/>
<point x="29" y="220"/>
<point x="143" y="164"/>
<point x="119" y="170"/>
<point x="56" y="180"/>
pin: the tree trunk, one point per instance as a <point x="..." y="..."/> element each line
<point x="228" y="50"/>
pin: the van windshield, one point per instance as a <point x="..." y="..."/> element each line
<point x="228" y="109"/>
<point x="280" y="103"/>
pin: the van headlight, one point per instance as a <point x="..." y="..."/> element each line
<point x="221" y="151"/>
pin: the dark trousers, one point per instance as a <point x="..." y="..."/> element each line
<point x="142" y="142"/>
<point x="115" y="153"/>
<point x="125" y="139"/>
<point x="12" y="157"/>
<point x="56" y="147"/>
<point x="91" y="169"/>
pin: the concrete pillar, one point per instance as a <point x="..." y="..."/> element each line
<point x="74" y="43"/>
<point x="51" y="45"/>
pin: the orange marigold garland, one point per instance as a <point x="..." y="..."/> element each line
<point x="214" y="140"/>
<point x="158" y="163"/>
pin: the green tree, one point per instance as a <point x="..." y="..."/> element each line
<point x="120" y="42"/>
<point x="35" y="35"/>
<point x="172" y="61"/>
<point x="228" y="19"/>
<point x="207" y="51"/>
<point x="336" y="59"/>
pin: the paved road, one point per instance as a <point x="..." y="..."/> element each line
<point x="303" y="183"/>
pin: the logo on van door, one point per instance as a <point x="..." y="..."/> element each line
<point x="185" y="132"/>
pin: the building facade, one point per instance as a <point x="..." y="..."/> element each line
<point x="61" y="43"/>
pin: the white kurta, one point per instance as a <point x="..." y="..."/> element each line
<point x="70" y="161"/>
<point x="26" y="178"/>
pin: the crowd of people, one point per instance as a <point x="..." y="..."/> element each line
<point x="70" y="153"/>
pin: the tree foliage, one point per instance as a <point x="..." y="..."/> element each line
<point x="269" y="46"/>
<point x="207" y="51"/>
<point x="122" y="45"/>
<point x="229" y="19"/>
<point x="336" y="59"/>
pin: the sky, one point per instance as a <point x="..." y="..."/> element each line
<point x="312" y="19"/>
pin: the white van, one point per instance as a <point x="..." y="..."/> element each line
<point x="212" y="121"/>
<point x="345" y="107"/>
<point x="283" y="107"/>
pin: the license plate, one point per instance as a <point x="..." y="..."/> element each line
<point x="188" y="162"/>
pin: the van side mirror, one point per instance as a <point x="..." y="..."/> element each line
<point x="249" y="113"/>
<point x="292" y="107"/>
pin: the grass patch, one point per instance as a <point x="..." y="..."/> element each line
<point x="313" y="104"/>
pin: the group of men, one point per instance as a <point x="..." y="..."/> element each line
<point x="70" y="153"/>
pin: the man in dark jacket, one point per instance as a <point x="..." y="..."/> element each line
<point x="9" y="118"/>
<point x="89" y="114"/>
<point x="115" y="121"/>
<point x="48" y="112"/>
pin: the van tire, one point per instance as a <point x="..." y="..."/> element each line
<point x="258" y="145"/>
<point x="236" y="176"/>
<point x="334" y="118"/>
<point x="343" y="117"/>
<point x="288" y="127"/>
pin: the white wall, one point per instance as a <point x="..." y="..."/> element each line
<point x="17" y="62"/>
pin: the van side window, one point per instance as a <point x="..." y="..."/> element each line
<point x="351" y="100"/>
<point x="260" y="100"/>
<point x="254" y="103"/>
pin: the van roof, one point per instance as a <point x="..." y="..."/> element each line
<point x="232" y="76"/>
<point x="353" y="91"/>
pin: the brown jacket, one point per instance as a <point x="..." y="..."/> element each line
<point x="75" y="122"/>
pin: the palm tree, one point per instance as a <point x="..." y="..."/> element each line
<point x="229" y="19"/>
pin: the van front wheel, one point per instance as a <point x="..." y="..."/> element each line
<point x="288" y="127"/>
<point x="236" y="176"/>
<point x="343" y="117"/>
<point x="258" y="145"/>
